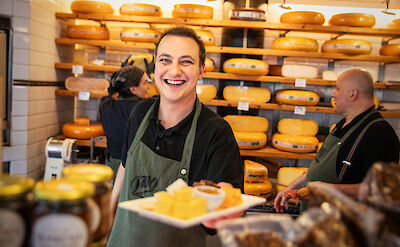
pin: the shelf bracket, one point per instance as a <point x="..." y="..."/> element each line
<point x="331" y="64"/>
<point x="333" y="37"/>
<point x="284" y="33"/>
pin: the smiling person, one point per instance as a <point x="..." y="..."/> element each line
<point x="174" y="136"/>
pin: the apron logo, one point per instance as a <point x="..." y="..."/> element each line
<point x="143" y="184"/>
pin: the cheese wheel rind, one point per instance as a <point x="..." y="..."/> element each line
<point x="295" y="44"/>
<point x="297" y="97"/>
<point x="140" y="9"/>
<point x="209" y="65"/>
<point x="395" y="24"/>
<point x="246" y="94"/>
<point x="245" y="66"/>
<point x="206" y="91"/>
<point x="247" y="123"/>
<point x="390" y="50"/>
<point x="303" y="17"/>
<point x="299" y="71"/>
<point x="88" y="32"/>
<point x="353" y="20"/>
<point x="254" y="172"/>
<point x="82" y="129"/>
<point x="297" y="127"/>
<point x="250" y="140"/>
<point x="140" y="35"/>
<point x="347" y="46"/>
<point x="206" y="36"/>
<point x="286" y="175"/>
<point x="295" y="144"/>
<point x="91" y="7"/>
<point x="263" y="189"/>
<point x="192" y="11"/>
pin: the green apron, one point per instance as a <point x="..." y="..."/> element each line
<point x="146" y="173"/>
<point x="114" y="165"/>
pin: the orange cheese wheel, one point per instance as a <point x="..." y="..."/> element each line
<point x="206" y="36"/>
<point x="297" y="97"/>
<point x="254" y="172"/>
<point x="390" y="50"/>
<point x="295" y="144"/>
<point x="91" y="7"/>
<point x="141" y="9"/>
<point x="245" y="66"/>
<point x="347" y="46"/>
<point x="247" y="123"/>
<point x="246" y="94"/>
<point x="140" y="35"/>
<point x="250" y="140"/>
<point x="206" y="92"/>
<point x="192" y="11"/>
<point x="141" y="56"/>
<point x="82" y="129"/>
<point x="263" y="189"/>
<point x="298" y="127"/>
<point x="303" y="17"/>
<point x="295" y="44"/>
<point x="353" y="20"/>
<point x="88" y="32"/>
<point x="209" y="65"/>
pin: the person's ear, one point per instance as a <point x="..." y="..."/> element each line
<point x="202" y="71"/>
<point x="133" y="90"/>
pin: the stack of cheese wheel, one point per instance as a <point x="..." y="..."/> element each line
<point x="347" y="46"/>
<point x="88" y="32"/>
<point x="192" y="11"/>
<point x="140" y="9"/>
<point x="206" y="92"/>
<point x="303" y="17"/>
<point x="296" y="135"/>
<point x="390" y="50"/>
<point x="299" y="71"/>
<point x="81" y="128"/>
<point x="353" y="20"/>
<point x="209" y="65"/>
<point x="254" y="95"/>
<point x="245" y="66"/>
<point x="256" y="181"/>
<point x="91" y="7"/>
<point x="206" y="36"/>
<point x="297" y="97"/>
<point x="140" y="35"/>
<point x="286" y="175"/>
<point x="249" y="131"/>
<point x="295" y="44"/>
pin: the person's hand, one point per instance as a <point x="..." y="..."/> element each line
<point x="281" y="201"/>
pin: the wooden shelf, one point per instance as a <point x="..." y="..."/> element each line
<point x="271" y="152"/>
<point x="64" y="92"/>
<point x="88" y="67"/>
<point x="118" y="44"/>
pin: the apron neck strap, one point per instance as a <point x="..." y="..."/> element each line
<point x="350" y="131"/>
<point x="189" y="142"/>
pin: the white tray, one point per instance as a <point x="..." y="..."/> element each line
<point x="134" y="205"/>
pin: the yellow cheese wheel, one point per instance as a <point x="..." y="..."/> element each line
<point x="390" y="50"/>
<point x="141" y="9"/>
<point x="245" y="66"/>
<point x="192" y="11"/>
<point x="347" y="46"/>
<point x="286" y="175"/>
<point x="295" y="44"/>
<point x="263" y="189"/>
<point x="88" y="32"/>
<point x="247" y="123"/>
<point x="254" y="172"/>
<point x="141" y="56"/>
<point x="209" y="65"/>
<point x="296" y="144"/>
<point x="206" y="36"/>
<point x="247" y="94"/>
<point x="140" y="35"/>
<point x="206" y="92"/>
<point x="91" y="7"/>
<point x="81" y="128"/>
<point x="353" y="20"/>
<point x="303" y="17"/>
<point x="250" y="140"/>
<point x="297" y="97"/>
<point x="395" y="24"/>
<point x="297" y="127"/>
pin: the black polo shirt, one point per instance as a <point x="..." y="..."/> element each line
<point x="379" y="143"/>
<point x="215" y="154"/>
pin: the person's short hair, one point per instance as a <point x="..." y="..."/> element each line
<point x="189" y="33"/>
<point x="125" y="78"/>
<point x="363" y="80"/>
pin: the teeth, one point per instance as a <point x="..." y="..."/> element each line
<point x="175" y="82"/>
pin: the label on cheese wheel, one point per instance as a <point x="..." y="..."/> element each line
<point x="206" y="38"/>
<point x="192" y="10"/>
<point x="140" y="8"/>
<point x="250" y="143"/>
<point x="246" y="66"/>
<point x="243" y="106"/>
<point x="140" y="35"/>
<point x="294" y="146"/>
<point x="248" y="14"/>
<point x="347" y="46"/>
<point x="300" y="82"/>
<point x="300" y="110"/>
<point x="297" y="97"/>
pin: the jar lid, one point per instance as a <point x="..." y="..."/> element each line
<point x="89" y="172"/>
<point x="12" y="186"/>
<point x="63" y="190"/>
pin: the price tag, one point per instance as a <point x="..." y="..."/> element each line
<point x="243" y="106"/>
<point x="77" y="69"/>
<point x="84" y="96"/>
<point x="300" y="110"/>
<point x="300" y="82"/>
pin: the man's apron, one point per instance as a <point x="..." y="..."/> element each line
<point x="113" y="163"/>
<point x="146" y="173"/>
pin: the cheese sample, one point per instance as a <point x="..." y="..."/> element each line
<point x="286" y="175"/>
<point x="296" y="144"/>
<point x="206" y="36"/>
<point x="81" y="128"/>
<point x="245" y="66"/>
<point x="247" y="94"/>
<point x="295" y="44"/>
<point x="247" y="14"/>
<point x="88" y="32"/>
<point x="297" y="127"/>
<point x="390" y="50"/>
<point x="347" y="46"/>
<point x="87" y="84"/>
<point x="206" y="92"/>
<point x="300" y="71"/>
<point x="250" y="140"/>
<point x="303" y="17"/>
<point x="247" y="123"/>
<point x="209" y="65"/>
<point x="297" y="97"/>
<point x="353" y="20"/>
<point x="91" y="7"/>
<point x="263" y="189"/>
<point x="254" y="172"/>
<point x="329" y="75"/>
<point x="140" y="9"/>
<point x="233" y="197"/>
<point x="192" y="11"/>
<point x="140" y="35"/>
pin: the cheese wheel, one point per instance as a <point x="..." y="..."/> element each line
<point x="254" y="172"/>
<point x="296" y="144"/>
<point x="91" y="7"/>
<point x="209" y="65"/>
<point x="300" y="71"/>
<point x="88" y="32"/>
<point x="395" y="24"/>
<point x="206" y="36"/>
<point x="347" y="46"/>
<point x="247" y="94"/>
<point x="275" y="70"/>
<point x="390" y="50"/>
<point x="295" y="44"/>
<point x="206" y="92"/>
<point x="329" y="75"/>
<point x="250" y="140"/>
<point x="192" y="11"/>
<point x="140" y="35"/>
<point x="247" y="123"/>
<point x="141" y="56"/>
<point x="263" y="189"/>
<point x="303" y="17"/>
<point x="319" y="146"/>
<point x="297" y="97"/>
<point x="82" y="129"/>
<point x="141" y="9"/>
<point x="353" y="20"/>
<point x="286" y="175"/>
<point x="245" y="66"/>
<point x="250" y="14"/>
<point x="297" y="127"/>
<point x="87" y="84"/>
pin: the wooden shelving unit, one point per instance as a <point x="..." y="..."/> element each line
<point x="271" y="152"/>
